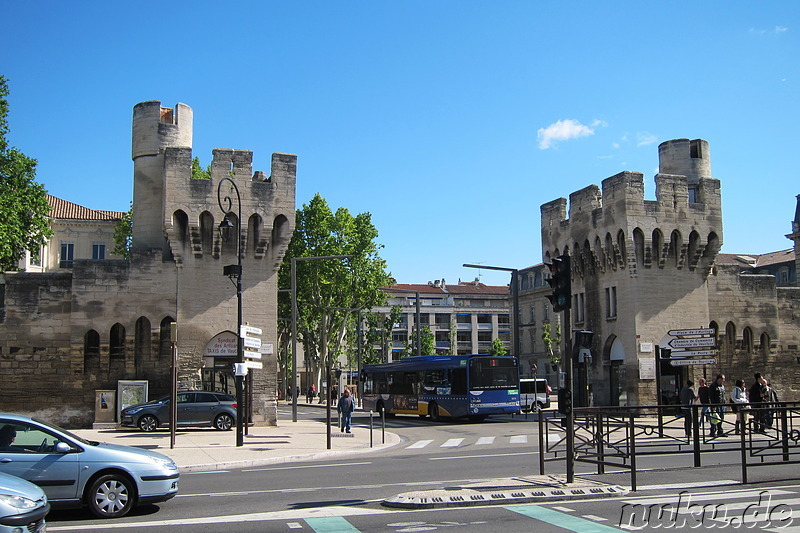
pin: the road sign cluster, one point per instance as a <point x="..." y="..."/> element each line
<point x="251" y="357"/>
<point x="683" y="347"/>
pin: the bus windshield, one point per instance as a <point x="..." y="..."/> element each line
<point x="490" y="373"/>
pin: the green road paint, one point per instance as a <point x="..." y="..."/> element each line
<point x="331" y="524"/>
<point x="563" y="520"/>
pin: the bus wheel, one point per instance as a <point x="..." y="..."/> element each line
<point x="433" y="411"/>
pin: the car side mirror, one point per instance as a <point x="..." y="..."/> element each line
<point x="63" y="447"/>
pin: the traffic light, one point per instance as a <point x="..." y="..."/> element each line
<point x="564" y="401"/>
<point x="561" y="283"/>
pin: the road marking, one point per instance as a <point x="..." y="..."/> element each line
<point x="484" y="440"/>
<point x="481" y="456"/>
<point x="295" y="525"/>
<point x="563" y="509"/>
<point x="519" y="439"/>
<point x="452" y="443"/>
<point x="562" y="520"/>
<point x="302" y="467"/>
<point x="419" y="444"/>
<point x="331" y="524"/>
<point x="595" y="518"/>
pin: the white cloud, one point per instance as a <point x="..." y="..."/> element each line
<point x="615" y="146"/>
<point x="780" y="29"/>
<point x="563" y="130"/>
<point x="644" y="138"/>
<point x="777" y="30"/>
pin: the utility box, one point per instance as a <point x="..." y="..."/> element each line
<point x="105" y="402"/>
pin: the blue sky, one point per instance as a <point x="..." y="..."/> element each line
<point x="451" y="122"/>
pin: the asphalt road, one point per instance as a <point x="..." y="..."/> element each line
<point x="328" y="496"/>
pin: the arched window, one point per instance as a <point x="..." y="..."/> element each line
<point x="658" y="246"/>
<point x="91" y="352"/>
<point x="207" y="230"/>
<point x="164" y="345"/>
<point x="253" y="232"/>
<point x="638" y="246"/>
<point x="280" y="231"/>
<point x="621" y="245"/>
<point x="730" y="336"/>
<point x="116" y="344"/>
<point x="747" y="340"/>
<point x="675" y="243"/>
<point x="229" y="236"/>
<point x="694" y="243"/>
<point x="765" y="343"/>
<point x="181" y="224"/>
<point x="141" y="343"/>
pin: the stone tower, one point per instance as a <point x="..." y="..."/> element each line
<point x="639" y="267"/>
<point x="176" y="220"/>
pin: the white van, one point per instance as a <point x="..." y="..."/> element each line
<point x="534" y="394"/>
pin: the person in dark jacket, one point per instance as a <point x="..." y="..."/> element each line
<point x="704" y="399"/>
<point x="346" y="407"/>
<point x="757" y="396"/>
<point x="687" y="398"/>
<point x="717" y="399"/>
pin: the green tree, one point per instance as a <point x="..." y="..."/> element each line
<point x="498" y="348"/>
<point x="198" y="172"/>
<point x="24" y="209"/>
<point x="376" y="332"/>
<point x="123" y="234"/>
<point x="352" y="283"/>
<point x="552" y="342"/>
<point x="427" y="343"/>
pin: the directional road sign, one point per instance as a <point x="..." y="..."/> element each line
<point x="245" y="330"/>
<point x="251" y="342"/>
<point x="266" y="349"/>
<point x="694" y="353"/>
<point x="684" y="332"/>
<point x="693" y="343"/>
<point x="685" y="362"/>
<point x="254" y="364"/>
<point x="252" y="355"/>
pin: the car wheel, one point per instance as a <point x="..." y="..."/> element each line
<point x="223" y="422"/>
<point x="148" y="423"/>
<point x="433" y="411"/>
<point x="538" y="407"/>
<point x="111" y="496"/>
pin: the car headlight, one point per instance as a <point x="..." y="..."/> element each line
<point x="132" y="411"/>
<point x="18" y="502"/>
<point x="164" y="462"/>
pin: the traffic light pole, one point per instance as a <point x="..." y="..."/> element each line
<point x="570" y="417"/>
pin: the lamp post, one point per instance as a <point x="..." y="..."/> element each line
<point x="416" y="316"/>
<point x="515" y="300"/>
<point x="235" y="271"/>
<point x="294" y="322"/>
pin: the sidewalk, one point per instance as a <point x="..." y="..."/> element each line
<point x="204" y="449"/>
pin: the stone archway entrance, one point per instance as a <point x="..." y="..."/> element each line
<point x="218" y="358"/>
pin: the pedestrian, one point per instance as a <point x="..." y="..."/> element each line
<point x="345" y="408"/>
<point x="717" y="411"/>
<point x="704" y="398"/>
<point x="308" y="395"/>
<point x="687" y="398"/>
<point x="757" y="397"/>
<point x="771" y="398"/>
<point x="741" y="403"/>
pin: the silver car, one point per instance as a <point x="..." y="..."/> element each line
<point x="110" y="479"/>
<point x="23" y="506"/>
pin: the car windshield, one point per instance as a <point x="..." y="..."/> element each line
<point x="65" y="432"/>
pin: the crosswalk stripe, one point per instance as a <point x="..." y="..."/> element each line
<point x="562" y="520"/>
<point x="331" y="524"/>
<point x="484" y="440"/>
<point x="420" y="444"/>
<point x="519" y="439"/>
<point x="452" y="443"/>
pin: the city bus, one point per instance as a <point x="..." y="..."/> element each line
<point x="437" y="386"/>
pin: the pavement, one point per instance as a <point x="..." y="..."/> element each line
<point x="204" y="450"/>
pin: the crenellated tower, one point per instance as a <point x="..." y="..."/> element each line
<point x="639" y="266"/>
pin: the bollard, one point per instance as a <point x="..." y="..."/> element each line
<point x="383" y="426"/>
<point x="370" y="428"/>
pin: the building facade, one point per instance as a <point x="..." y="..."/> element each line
<point x="642" y="268"/>
<point x="85" y="326"/>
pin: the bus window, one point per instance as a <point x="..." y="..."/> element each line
<point x="384" y="381"/>
<point x="493" y="373"/>
<point x="458" y="377"/>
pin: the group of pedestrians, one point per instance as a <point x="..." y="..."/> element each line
<point x="759" y="400"/>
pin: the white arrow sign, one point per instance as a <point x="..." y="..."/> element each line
<point x="251" y="342"/>
<point x="692" y="343"/>
<point x="252" y="355"/>
<point x="685" y="362"/>
<point x="694" y="353"/>
<point x="266" y="349"/>
<point x="244" y="330"/>
<point x="254" y="364"/>
<point x="682" y="332"/>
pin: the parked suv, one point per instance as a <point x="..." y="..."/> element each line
<point x="534" y="394"/>
<point x="195" y="408"/>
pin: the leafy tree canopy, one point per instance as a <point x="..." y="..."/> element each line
<point x="498" y="348"/>
<point x="198" y="172"/>
<point x="123" y="234"/>
<point x="24" y="209"/>
<point x="335" y="283"/>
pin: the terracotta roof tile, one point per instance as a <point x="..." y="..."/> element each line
<point x="67" y="210"/>
<point x="756" y="260"/>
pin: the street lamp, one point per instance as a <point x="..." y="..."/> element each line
<point x="416" y="316"/>
<point x="294" y="322"/>
<point x="515" y="300"/>
<point x="235" y="271"/>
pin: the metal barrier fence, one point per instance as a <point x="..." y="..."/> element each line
<point x="615" y="436"/>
